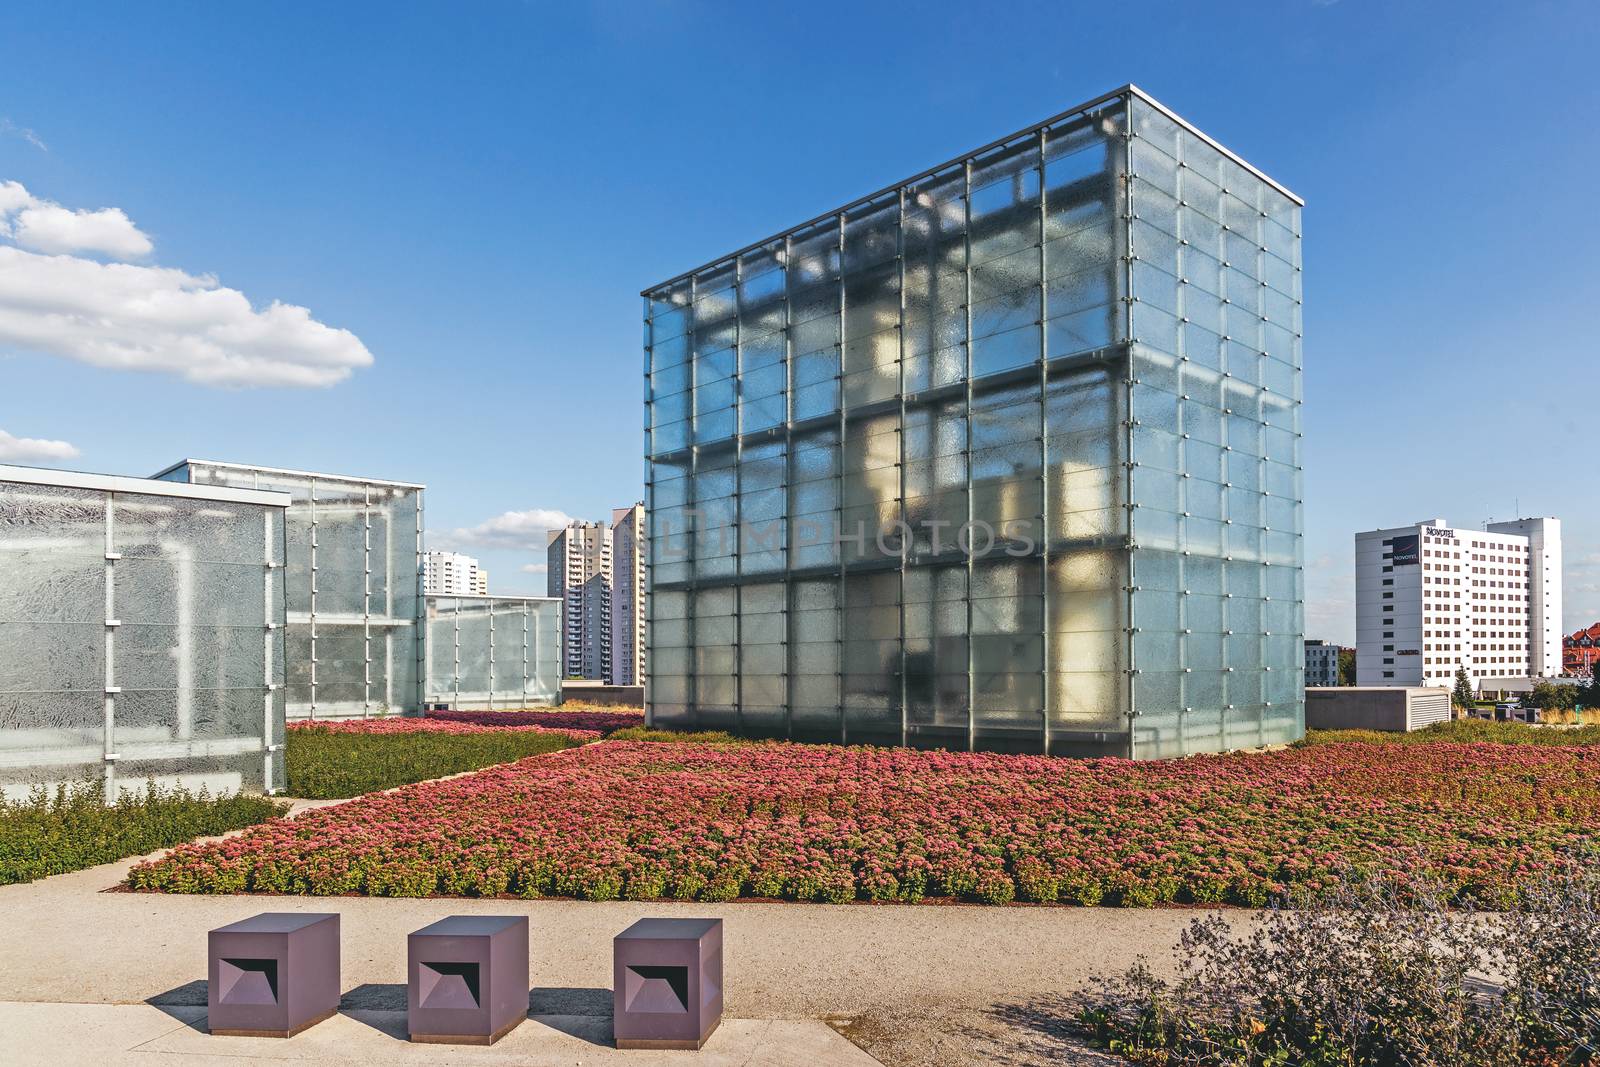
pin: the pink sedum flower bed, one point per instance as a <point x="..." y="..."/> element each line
<point x="401" y="725"/>
<point x="605" y="722"/>
<point x="823" y="823"/>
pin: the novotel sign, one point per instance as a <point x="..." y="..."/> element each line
<point x="1434" y="531"/>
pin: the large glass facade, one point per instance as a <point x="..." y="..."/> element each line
<point x="1005" y="456"/>
<point x="141" y="633"/>
<point x="493" y="651"/>
<point x="355" y="640"/>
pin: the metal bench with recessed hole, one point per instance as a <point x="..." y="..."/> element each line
<point x="667" y="991"/>
<point x="467" y="979"/>
<point x="273" y="974"/>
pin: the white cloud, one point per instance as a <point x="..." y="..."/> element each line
<point x="7" y="126"/>
<point x="33" y="449"/>
<point x="535" y="568"/>
<point x="148" y="318"/>
<point x="518" y="530"/>
<point x="45" y="226"/>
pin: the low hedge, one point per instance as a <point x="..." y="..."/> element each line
<point x="327" y="765"/>
<point x="68" y="829"/>
<point x="685" y="737"/>
<point x="1464" y="731"/>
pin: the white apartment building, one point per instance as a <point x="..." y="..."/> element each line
<point x="579" y="558"/>
<point x="627" y="595"/>
<point x="1322" y="663"/>
<point x="453" y="574"/>
<point x="1431" y="597"/>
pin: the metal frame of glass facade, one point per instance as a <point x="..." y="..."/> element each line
<point x="1003" y="456"/>
<point x="356" y="645"/>
<point x="493" y="651"/>
<point x="141" y="633"/>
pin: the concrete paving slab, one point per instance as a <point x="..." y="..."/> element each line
<point x="102" y="1034"/>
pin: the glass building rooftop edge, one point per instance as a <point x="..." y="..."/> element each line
<point x="1126" y="90"/>
<point x="289" y="471"/>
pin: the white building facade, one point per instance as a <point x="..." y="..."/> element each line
<point x="1322" y="663"/>
<point x="627" y="595"/>
<point x="453" y="574"/>
<point x="1431" y="597"/>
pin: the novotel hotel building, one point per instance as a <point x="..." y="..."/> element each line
<point x="1431" y="597"/>
<point x="1005" y="456"/>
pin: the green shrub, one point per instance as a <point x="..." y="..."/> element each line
<point x="1377" y="973"/>
<point x="1463" y="731"/>
<point x="70" y="828"/>
<point x="702" y="737"/>
<point x="326" y="765"/>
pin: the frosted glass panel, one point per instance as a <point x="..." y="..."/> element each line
<point x="352" y="558"/>
<point x="1003" y="432"/>
<point x="153" y="639"/>
<point x="489" y="652"/>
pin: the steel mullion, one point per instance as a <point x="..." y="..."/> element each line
<point x="966" y="456"/>
<point x="838" y="540"/>
<point x="1046" y="689"/>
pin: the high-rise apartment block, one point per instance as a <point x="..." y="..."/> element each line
<point x="579" y="559"/>
<point x="1006" y="455"/>
<point x="627" y="595"/>
<point x="453" y="574"/>
<point x="1431" y="597"/>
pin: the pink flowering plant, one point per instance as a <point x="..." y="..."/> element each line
<point x="643" y="821"/>
<point x="433" y="726"/>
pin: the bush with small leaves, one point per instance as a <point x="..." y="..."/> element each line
<point x="70" y="828"/>
<point x="1372" y="972"/>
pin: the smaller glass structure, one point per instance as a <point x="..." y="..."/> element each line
<point x="493" y="651"/>
<point x="354" y="586"/>
<point x="142" y="633"/>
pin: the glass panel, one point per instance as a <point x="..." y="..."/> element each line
<point x="1106" y="494"/>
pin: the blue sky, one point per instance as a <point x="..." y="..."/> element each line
<point x="477" y="193"/>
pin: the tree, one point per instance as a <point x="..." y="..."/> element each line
<point x="1347" y="666"/>
<point x="1548" y="696"/>
<point x="1462" y="697"/>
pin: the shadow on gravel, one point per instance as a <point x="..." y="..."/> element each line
<point x="577" y="1011"/>
<point x="179" y="1002"/>
<point x="374" y="996"/>
<point x="1042" y="1030"/>
<point x="580" y="1012"/>
<point x="569" y="1000"/>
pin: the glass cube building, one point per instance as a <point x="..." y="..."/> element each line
<point x="355" y="636"/>
<point x="141" y="633"/>
<point x="1005" y="456"/>
<point x="493" y="651"/>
